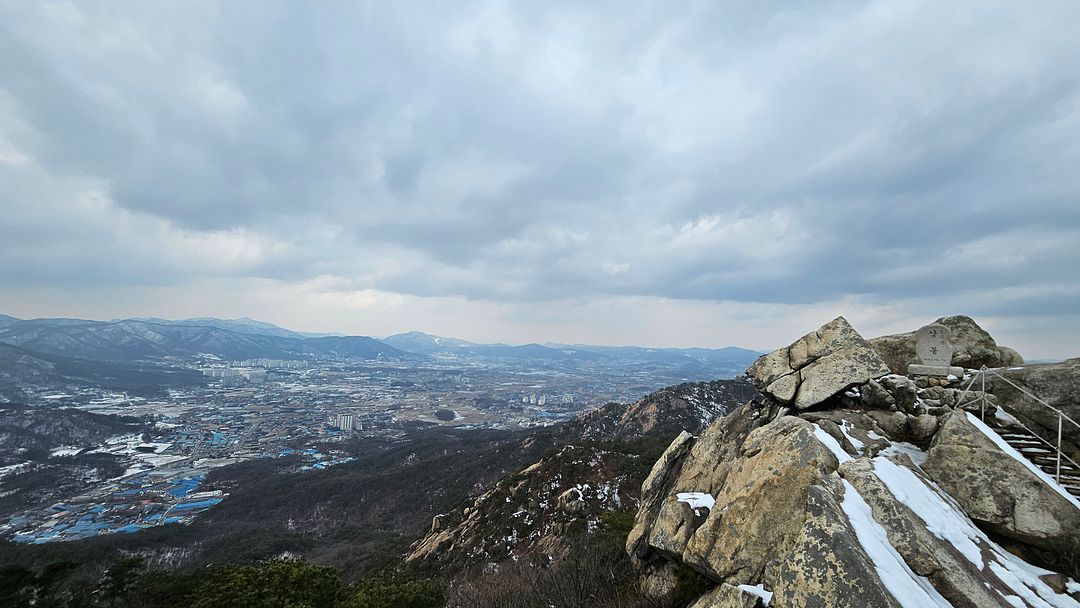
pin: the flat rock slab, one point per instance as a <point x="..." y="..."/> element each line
<point x="916" y="369"/>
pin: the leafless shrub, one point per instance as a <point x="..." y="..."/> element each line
<point x="587" y="578"/>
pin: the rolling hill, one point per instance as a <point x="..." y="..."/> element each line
<point x="243" y="325"/>
<point x="134" y="340"/>
<point x="21" y="369"/>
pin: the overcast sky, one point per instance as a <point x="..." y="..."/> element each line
<point x="696" y="174"/>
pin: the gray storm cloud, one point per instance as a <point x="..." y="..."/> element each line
<point x="905" y="154"/>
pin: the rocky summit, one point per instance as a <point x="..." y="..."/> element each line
<point x="817" y="366"/>
<point x="849" y="484"/>
<point x="973" y="347"/>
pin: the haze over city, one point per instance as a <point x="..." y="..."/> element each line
<point x="496" y="172"/>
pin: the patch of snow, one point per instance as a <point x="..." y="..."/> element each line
<point x="1011" y="451"/>
<point x="758" y="590"/>
<point x="947" y="521"/>
<point x="697" y="500"/>
<point x="909" y="589"/>
<point x="916" y="454"/>
<point x="160" y="460"/>
<point x="1025" y="586"/>
<point x="120" y="444"/>
<point x="132" y="470"/>
<point x="858" y="445"/>
<point x="14" y="468"/>
<point x="1004" y="416"/>
<point x="1073" y="587"/>
<point x="65" y="450"/>
<point x="831" y="443"/>
<point x="942" y="519"/>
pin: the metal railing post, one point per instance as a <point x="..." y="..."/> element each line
<point x="982" y="403"/>
<point x="1058" y="471"/>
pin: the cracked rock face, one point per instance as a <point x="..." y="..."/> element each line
<point x="817" y="366"/>
<point x="998" y="491"/>
<point x="787" y="492"/>
<point x="776" y="519"/>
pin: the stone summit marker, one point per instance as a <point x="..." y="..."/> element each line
<point x="935" y="352"/>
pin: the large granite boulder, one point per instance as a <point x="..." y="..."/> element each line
<point x="1010" y="357"/>
<point x="817" y="366"/>
<point x="755" y="501"/>
<point x="1000" y="492"/>
<point x="829" y="506"/>
<point x="662" y="475"/>
<point x="973" y="347"/>
<point x="952" y="574"/>
<point x="820" y="509"/>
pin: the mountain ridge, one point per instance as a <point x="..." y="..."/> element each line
<point x="416" y="342"/>
<point x="153" y="339"/>
<point x="133" y="340"/>
<point x="430" y="344"/>
<point x="243" y="325"/>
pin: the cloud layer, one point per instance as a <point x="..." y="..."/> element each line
<point x="556" y="163"/>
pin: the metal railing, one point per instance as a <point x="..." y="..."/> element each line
<point x="1062" y="417"/>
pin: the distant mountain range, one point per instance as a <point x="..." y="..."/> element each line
<point x="139" y="340"/>
<point x="428" y="344"/>
<point x="418" y="342"/>
<point x="152" y="339"/>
